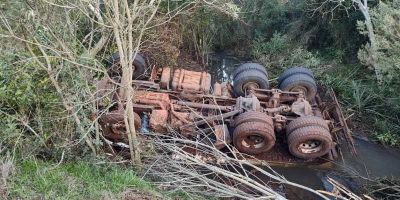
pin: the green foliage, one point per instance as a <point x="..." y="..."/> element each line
<point x="362" y="97"/>
<point x="36" y="179"/>
<point x="376" y="107"/>
<point x="276" y="45"/>
<point x="33" y="119"/>
<point x="207" y="29"/>
<point x="388" y="132"/>
<point x="386" y="21"/>
<point x="280" y="52"/>
<point x="267" y="17"/>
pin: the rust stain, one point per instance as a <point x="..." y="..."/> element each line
<point x="159" y="120"/>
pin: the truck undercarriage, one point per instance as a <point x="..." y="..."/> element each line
<point x="293" y="122"/>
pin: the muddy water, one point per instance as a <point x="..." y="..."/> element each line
<point x="221" y="66"/>
<point x="373" y="160"/>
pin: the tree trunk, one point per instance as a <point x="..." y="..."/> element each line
<point x="124" y="42"/>
<point x="373" y="51"/>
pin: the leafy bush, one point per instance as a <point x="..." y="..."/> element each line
<point x="386" y="21"/>
<point x="375" y="108"/>
<point x="279" y="53"/>
<point x="33" y="119"/>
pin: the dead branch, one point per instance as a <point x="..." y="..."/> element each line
<point x="199" y="168"/>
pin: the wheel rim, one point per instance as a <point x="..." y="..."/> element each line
<point x="302" y="89"/>
<point x="253" y="142"/>
<point x="250" y="86"/>
<point x="310" y="146"/>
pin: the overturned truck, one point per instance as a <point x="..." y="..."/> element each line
<point x="291" y="123"/>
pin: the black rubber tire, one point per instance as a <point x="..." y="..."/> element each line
<point x="258" y="129"/>
<point x="301" y="122"/>
<point x="310" y="133"/>
<point x="294" y="70"/>
<point x="300" y="80"/>
<point x="114" y="69"/>
<point x="247" y="77"/>
<point x="250" y="66"/>
<point x="253" y="116"/>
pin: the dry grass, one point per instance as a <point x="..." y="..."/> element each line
<point x="7" y="169"/>
<point x="200" y="170"/>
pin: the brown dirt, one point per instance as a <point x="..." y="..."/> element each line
<point x="132" y="194"/>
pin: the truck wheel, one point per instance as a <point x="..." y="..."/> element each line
<point x="115" y="70"/>
<point x="300" y="82"/>
<point x="253" y="137"/>
<point x="253" y="116"/>
<point x="247" y="80"/>
<point x="310" y="142"/>
<point x="250" y="66"/>
<point x="306" y="121"/>
<point x="295" y="70"/>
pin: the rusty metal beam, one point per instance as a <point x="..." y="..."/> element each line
<point x="346" y="130"/>
<point x="280" y="91"/>
<point x="212" y="118"/>
<point x="205" y="106"/>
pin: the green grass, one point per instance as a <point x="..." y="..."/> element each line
<point x="35" y="179"/>
<point x="376" y="107"/>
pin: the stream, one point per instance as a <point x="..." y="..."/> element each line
<point x="372" y="160"/>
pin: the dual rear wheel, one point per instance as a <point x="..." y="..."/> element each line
<point x="298" y="79"/>
<point x="254" y="133"/>
<point x="249" y="76"/>
<point x="254" y="76"/>
<point x="309" y="137"/>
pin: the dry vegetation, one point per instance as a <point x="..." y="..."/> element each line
<point x="54" y="50"/>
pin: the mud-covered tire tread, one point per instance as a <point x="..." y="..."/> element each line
<point x="250" y="128"/>
<point x="295" y="70"/>
<point x="253" y="116"/>
<point x="250" y="66"/>
<point x="309" y="133"/>
<point x="249" y="76"/>
<point x="300" y="80"/>
<point x="306" y="121"/>
<point x="138" y="62"/>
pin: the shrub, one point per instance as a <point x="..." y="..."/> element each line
<point x="386" y="21"/>
<point x="280" y="52"/>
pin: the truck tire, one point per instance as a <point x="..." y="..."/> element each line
<point x="294" y="70"/>
<point x="309" y="142"/>
<point x="250" y="66"/>
<point x="253" y="137"/>
<point x="253" y="116"/>
<point x="115" y="70"/>
<point x="306" y="121"/>
<point x="300" y="82"/>
<point x="249" y="78"/>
